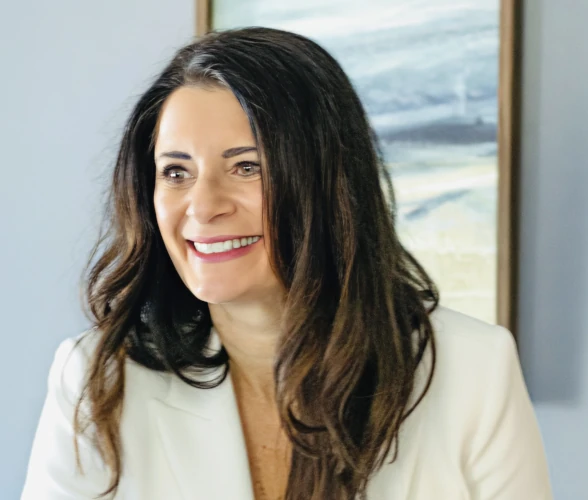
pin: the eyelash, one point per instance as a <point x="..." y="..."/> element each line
<point x="166" y="172"/>
<point x="249" y="164"/>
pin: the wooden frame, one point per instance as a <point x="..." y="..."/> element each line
<point x="508" y="163"/>
<point x="508" y="152"/>
<point x="203" y="12"/>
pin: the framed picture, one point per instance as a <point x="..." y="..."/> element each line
<point x="438" y="81"/>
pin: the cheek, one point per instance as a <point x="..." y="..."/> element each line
<point x="252" y="200"/>
<point x="167" y="212"/>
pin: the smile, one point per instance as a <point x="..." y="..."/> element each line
<point x="225" y="246"/>
<point x="218" y="250"/>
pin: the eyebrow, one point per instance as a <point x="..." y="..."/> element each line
<point x="177" y="155"/>
<point x="229" y="153"/>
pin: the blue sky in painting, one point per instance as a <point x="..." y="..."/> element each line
<point x="427" y="73"/>
<point x="426" y="70"/>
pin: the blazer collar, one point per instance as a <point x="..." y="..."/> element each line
<point x="203" y="440"/>
<point x="204" y="403"/>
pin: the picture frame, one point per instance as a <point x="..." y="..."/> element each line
<point x="507" y="138"/>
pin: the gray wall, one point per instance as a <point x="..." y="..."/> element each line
<point x="554" y="229"/>
<point x="70" y="73"/>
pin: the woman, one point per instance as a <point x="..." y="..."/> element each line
<point x="260" y="332"/>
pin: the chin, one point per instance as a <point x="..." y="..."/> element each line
<point x="226" y="292"/>
<point x="213" y="295"/>
<point x="217" y="293"/>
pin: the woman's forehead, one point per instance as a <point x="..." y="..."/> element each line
<point x="202" y="118"/>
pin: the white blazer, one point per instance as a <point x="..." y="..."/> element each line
<point x="473" y="437"/>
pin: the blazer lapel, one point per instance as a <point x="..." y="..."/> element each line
<point x="203" y="440"/>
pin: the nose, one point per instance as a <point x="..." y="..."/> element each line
<point x="208" y="200"/>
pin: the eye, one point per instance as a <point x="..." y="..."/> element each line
<point x="175" y="173"/>
<point x="247" y="169"/>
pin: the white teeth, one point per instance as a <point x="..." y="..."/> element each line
<point x="225" y="246"/>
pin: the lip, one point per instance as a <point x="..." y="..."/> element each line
<point x="235" y="253"/>
<point x="216" y="239"/>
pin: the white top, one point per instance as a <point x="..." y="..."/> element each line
<point x="473" y="437"/>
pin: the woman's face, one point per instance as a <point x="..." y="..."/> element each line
<point x="208" y="197"/>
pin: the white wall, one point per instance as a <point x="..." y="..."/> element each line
<point x="70" y="72"/>
<point x="554" y="230"/>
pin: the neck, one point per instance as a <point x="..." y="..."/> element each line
<point x="250" y="334"/>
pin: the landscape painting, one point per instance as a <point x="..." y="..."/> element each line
<point x="427" y="72"/>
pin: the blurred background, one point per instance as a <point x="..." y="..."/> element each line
<point x="426" y="72"/>
<point x="71" y="73"/>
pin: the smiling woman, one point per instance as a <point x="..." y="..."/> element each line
<point x="208" y="196"/>
<point x="256" y="317"/>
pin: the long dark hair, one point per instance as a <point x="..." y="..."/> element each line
<point x="356" y="319"/>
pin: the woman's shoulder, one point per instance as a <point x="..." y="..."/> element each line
<point x="460" y="336"/>
<point x="476" y="365"/>
<point x="477" y="416"/>
<point x="72" y="362"/>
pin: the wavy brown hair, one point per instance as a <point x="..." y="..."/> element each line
<point x="356" y="320"/>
